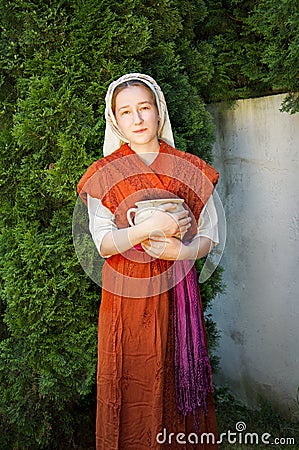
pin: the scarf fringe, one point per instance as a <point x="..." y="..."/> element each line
<point x="192" y="389"/>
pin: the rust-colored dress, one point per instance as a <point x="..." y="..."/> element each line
<point x="136" y="403"/>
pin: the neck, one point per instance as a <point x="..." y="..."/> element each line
<point x="151" y="147"/>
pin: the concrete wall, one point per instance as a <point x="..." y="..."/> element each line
<point x="257" y="154"/>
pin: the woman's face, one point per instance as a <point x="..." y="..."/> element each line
<point x="137" y="117"/>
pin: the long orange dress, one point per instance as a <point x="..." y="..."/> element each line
<point x="136" y="402"/>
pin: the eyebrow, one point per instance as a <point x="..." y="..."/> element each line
<point x="139" y="103"/>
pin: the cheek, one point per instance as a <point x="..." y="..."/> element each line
<point x="154" y="118"/>
<point x="122" y="122"/>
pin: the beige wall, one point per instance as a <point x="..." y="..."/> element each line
<point x="257" y="154"/>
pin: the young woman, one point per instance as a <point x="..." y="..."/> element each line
<point x="154" y="385"/>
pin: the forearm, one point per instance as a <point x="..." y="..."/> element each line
<point x="160" y="222"/>
<point x="121" y="240"/>
<point x="198" y="248"/>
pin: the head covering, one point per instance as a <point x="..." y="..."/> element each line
<point x="113" y="135"/>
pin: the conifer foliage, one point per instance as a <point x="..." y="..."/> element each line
<point x="251" y="49"/>
<point x="58" y="58"/>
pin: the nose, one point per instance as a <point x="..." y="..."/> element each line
<point x="137" y="117"/>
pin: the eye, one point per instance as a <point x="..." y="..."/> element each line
<point x="145" y="107"/>
<point x="125" y="112"/>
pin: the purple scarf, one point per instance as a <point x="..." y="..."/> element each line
<point x="193" y="374"/>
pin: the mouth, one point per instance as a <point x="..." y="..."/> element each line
<point x="140" y="131"/>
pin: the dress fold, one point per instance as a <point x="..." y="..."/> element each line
<point x="136" y="383"/>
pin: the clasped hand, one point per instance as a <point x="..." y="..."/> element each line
<point x="165" y="228"/>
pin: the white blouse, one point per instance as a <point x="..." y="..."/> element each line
<point x="101" y="221"/>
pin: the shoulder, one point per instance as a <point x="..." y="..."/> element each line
<point x="88" y="179"/>
<point x="205" y="167"/>
<point x="196" y="162"/>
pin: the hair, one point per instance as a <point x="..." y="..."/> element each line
<point x="127" y="84"/>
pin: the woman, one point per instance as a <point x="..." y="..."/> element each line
<point x="154" y="377"/>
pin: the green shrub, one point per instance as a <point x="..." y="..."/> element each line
<point x="58" y="59"/>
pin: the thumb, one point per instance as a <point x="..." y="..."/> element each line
<point x="167" y="207"/>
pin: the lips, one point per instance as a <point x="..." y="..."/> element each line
<point x="140" y="131"/>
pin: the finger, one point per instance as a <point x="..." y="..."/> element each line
<point x="181" y="214"/>
<point x="183" y="230"/>
<point x="153" y="252"/>
<point x="167" y="207"/>
<point x="185" y="221"/>
<point x="152" y="246"/>
<point x="150" y="253"/>
<point x="157" y="246"/>
<point x="183" y="225"/>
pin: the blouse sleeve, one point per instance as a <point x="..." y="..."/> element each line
<point x="101" y="221"/>
<point x="208" y="222"/>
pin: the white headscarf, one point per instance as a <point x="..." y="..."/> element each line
<point x="113" y="135"/>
